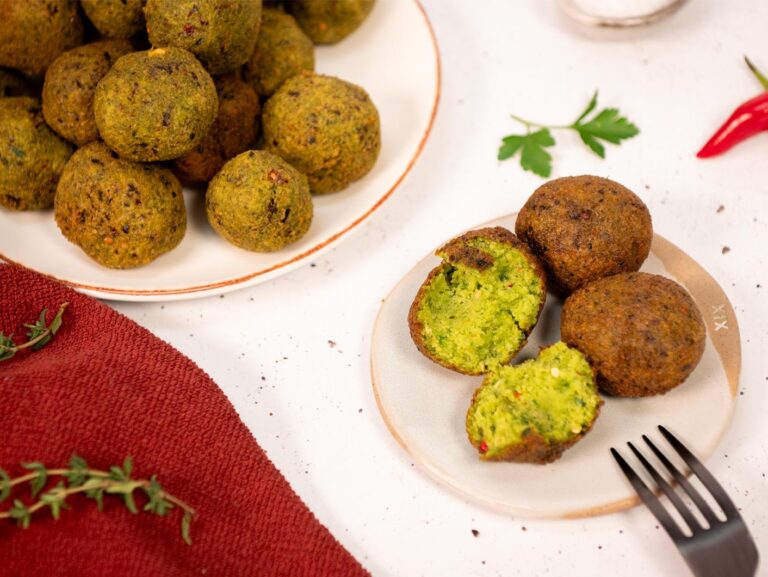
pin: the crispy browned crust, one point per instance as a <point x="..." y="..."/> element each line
<point x="584" y="228"/>
<point x="456" y="252"/>
<point x="643" y="333"/>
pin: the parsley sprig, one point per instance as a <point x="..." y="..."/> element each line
<point x="608" y="125"/>
<point x="94" y="484"/>
<point x="39" y="334"/>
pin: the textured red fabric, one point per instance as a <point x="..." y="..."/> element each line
<point x="105" y="388"/>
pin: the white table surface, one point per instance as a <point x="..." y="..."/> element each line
<point x="293" y="354"/>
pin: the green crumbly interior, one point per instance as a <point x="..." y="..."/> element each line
<point x="475" y="320"/>
<point x="553" y="395"/>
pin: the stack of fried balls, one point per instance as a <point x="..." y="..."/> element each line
<point x="126" y="102"/>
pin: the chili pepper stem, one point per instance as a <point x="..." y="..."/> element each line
<point x="761" y="78"/>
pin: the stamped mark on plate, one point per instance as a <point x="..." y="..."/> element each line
<point x="720" y="317"/>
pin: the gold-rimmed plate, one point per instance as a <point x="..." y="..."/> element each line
<point x="204" y="264"/>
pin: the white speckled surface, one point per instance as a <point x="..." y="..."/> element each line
<point x="293" y="353"/>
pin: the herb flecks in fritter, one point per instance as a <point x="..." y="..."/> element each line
<point x="533" y="411"/>
<point x="32" y="156"/>
<point x="122" y="214"/>
<point x="155" y="105"/>
<point x="259" y="202"/>
<point x="475" y="311"/>
<point x="329" y="22"/>
<point x="221" y="33"/>
<point x="327" y="128"/>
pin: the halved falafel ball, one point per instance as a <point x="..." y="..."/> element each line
<point x="155" y="105"/>
<point x="583" y="228"/>
<point x="122" y="214"/>
<point x="532" y="412"/>
<point x="282" y="50"/>
<point x="32" y="156"/>
<point x="328" y="22"/>
<point x="234" y="131"/>
<point x="259" y="202"/>
<point x="70" y="83"/>
<point x="221" y="33"/>
<point x="474" y="311"/>
<point x="642" y="333"/>
<point x="35" y="32"/>
<point x="115" y="18"/>
<point x="327" y="128"/>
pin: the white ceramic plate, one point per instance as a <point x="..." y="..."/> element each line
<point x="396" y="37"/>
<point x="424" y="405"/>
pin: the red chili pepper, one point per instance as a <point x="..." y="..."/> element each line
<point x="747" y="120"/>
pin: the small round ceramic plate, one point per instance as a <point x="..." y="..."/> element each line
<point x="396" y="36"/>
<point x="424" y="405"/>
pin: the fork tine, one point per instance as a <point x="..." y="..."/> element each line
<point x="706" y="478"/>
<point x="702" y="505"/>
<point x="667" y="489"/>
<point x="650" y="500"/>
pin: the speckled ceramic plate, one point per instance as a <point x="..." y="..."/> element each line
<point x="424" y="405"/>
<point x="204" y="264"/>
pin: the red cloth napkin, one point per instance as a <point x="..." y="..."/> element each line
<point x="105" y="388"/>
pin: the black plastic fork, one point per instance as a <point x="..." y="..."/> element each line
<point x="719" y="548"/>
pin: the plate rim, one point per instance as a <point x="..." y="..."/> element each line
<point x="221" y="287"/>
<point x="730" y="346"/>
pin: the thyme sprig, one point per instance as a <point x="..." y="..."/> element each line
<point x="94" y="484"/>
<point x="39" y="334"/>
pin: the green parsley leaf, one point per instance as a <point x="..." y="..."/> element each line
<point x="590" y="107"/>
<point x="533" y="156"/>
<point x="510" y="145"/>
<point x="608" y="125"/>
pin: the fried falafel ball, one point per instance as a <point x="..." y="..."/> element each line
<point x="329" y="22"/>
<point x="532" y="412"/>
<point x="115" y="18"/>
<point x="32" y="156"/>
<point x="282" y="50"/>
<point x="35" y="32"/>
<point x="475" y="310"/>
<point x="234" y="131"/>
<point x="327" y="128"/>
<point x="584" y="228"/>
<point x="122" y="214"/>
<point x="642" y="333"/>
<point x="155" y="105"/>
<point x="70" y="83"/>
<point x="259" y="202"/>
<point x="221" y="33"/>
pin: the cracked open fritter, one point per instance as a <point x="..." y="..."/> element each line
<point x="475" y="310"/>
